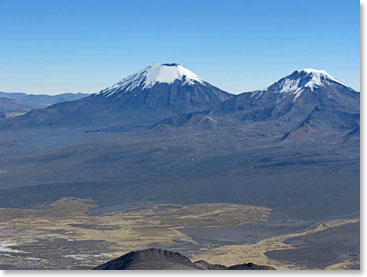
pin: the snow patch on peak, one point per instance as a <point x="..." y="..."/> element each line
<point x="316" y="77"/>
<point x="153" y="74"/>
<point x="168" y="73"/>
<point x="301" y="79"/>
<point x="318" y="73"/>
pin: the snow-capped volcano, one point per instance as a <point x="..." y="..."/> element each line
<point x="162" y="88"/>
<point x="299" y="81"/>
<point x="154" y="74"/>
<point x="304" y="94"/>
<point x="156" y="92"/>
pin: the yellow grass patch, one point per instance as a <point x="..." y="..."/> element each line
<point x="255" y="253"/>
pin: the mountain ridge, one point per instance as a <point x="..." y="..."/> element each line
<point x="43" y="99"/>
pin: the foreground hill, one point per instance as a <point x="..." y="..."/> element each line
<point x="158" y="259"/>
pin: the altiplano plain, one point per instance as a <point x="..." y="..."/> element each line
<point x="65" y="236"/>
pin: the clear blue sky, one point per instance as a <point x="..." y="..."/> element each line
<point x="55" y="46"/>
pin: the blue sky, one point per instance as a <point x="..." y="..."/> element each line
<point x="238" y="45"/>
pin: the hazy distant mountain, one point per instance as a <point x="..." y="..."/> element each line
<point x="154" y="93"/>
<point x="10" y="107"/>
<point x="158" y="259"/>
<point x="42" y="99"/>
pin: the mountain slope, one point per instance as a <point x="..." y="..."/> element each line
<point x="152" y="94"/>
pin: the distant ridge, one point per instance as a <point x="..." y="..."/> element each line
<point x="11" y="107"/>
<point x="43" y="99"/>
<point x="159" y="259"/>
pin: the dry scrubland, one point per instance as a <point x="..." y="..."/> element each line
<point x="65" y="236"/>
